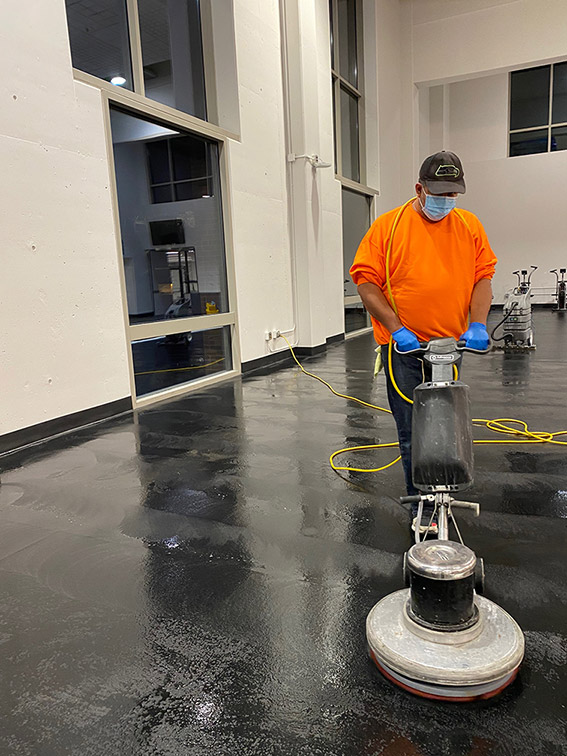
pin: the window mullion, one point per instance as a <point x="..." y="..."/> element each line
<point x="347" y="85"/>
<point x="135" y="46"/>
<point x="529" y="128"/>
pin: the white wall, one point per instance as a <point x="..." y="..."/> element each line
<point x="462" y="38"/>
<point x="518" y="200"/>
<point x="396" y="99"/>
<point x="62" y="341"/>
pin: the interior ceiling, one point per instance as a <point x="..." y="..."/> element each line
<point x="99" y="39"/>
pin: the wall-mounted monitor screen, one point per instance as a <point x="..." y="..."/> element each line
<point x="166" y="232"/>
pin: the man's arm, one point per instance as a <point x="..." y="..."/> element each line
<point x="377" y="305"/>
<point x="481" y="300"/>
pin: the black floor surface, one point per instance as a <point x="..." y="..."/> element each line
<point x="196" y="580"/>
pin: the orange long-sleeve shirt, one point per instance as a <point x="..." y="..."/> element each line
<point x="433" y="270"/>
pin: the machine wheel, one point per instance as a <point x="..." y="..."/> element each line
<point x="405" y="570"/>
<point x="479" y="576"/>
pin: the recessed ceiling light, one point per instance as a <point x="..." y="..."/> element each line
<point x="118" y="81"/>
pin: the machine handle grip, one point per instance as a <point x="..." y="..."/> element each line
<point x="472" y="505"/>
<point x="410" y="499"/>
<point x="462" y="347"/>
<point x="423" y="347"/>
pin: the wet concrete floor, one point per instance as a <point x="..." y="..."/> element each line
<point x="195" y="580"/>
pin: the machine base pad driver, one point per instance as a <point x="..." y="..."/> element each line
<point x="476" y="663"/>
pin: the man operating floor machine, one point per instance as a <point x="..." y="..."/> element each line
<point x="439" y="638"/>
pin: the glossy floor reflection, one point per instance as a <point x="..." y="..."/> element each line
<point x="196" y="580"/>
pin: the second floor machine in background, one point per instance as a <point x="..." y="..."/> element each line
<point x="516" y="325"/>
<point x="560" y="290"/>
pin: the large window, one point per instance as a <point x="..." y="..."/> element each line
<point x="538" y="110"/>
<point x="347" y="86"/>
<point x="162" y="39"/>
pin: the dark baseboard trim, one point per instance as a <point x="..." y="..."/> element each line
<point x="42" y="431"/>
<point x="268" y="362"/>
<point x="335" y="339"/>
<point x="310" y="351"/>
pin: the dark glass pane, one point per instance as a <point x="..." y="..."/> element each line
<point x="529" y="98"/>
<point x="347" y="41"/>
<point x="189" y="158"/>
<point x="356" y="222"/>
<point x="172" y="239"/>
<point x="158" y="157"/>
<point x="98" y="33"/>
<point x="559" y="109"/>
<point x="559" y="138"/>
<point x="162" y="194"/>
<point x="528" y="142"/>
<point x="356" y="318"/>
<point x="172" y="54"/>
<point x="349" y="136"/>
<point x="335" y="114"/>
<point x="180" y="358"/>
<point x="189" y="190"/>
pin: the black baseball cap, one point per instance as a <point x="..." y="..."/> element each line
<point x="441" y="173"/>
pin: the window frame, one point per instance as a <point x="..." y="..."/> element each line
<point x="152" y="110"/>
<point x="549" y="126"/>
<point x="338" y="82"/>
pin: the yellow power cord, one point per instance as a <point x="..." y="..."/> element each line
<point x="497" y="425"/>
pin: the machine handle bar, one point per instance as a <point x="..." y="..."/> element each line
<point x="424" y="346"/>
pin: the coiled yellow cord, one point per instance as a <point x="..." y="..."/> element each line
<point x="498" y="425"/>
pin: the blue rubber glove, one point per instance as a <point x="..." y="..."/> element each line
<point x="405" y="339"/>
<point x="476" y="336"/>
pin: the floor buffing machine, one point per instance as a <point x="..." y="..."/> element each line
<point x="439" y="638"/>
<point x="560" y="290"/>
<point x="517" y="310"/>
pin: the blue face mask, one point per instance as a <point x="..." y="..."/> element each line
<point x="437" y="207"/>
